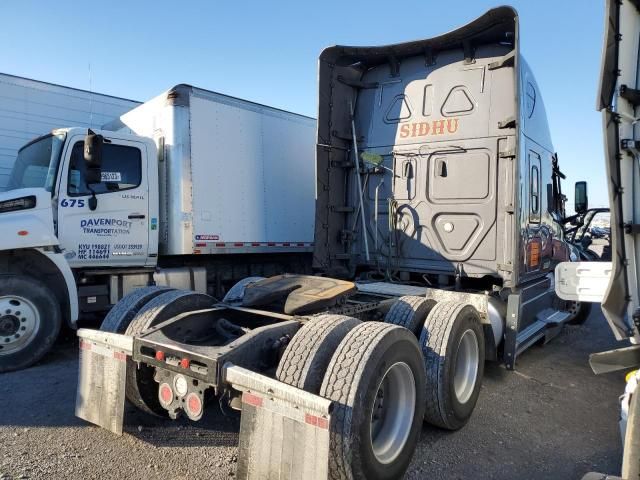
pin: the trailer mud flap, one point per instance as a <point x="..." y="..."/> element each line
<point x="284" y="431"/>
<point x="101" y="378"/>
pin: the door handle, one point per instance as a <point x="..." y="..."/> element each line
<point x="136" y="216"/>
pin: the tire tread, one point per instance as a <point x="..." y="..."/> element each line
<point x="339" y="381"/>
<point x="311" y="350"/>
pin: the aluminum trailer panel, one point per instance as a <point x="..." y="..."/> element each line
<point x="30" y="108"/>
<point x="226" y="167"/>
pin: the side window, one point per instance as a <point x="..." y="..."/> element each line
<point x="121" y="170"/>
<point x="535" y="200"/>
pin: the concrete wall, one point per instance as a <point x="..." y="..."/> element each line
<point x="29" y="108"/>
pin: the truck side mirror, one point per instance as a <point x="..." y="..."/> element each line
<point x="93" y="150"/>
<point x="581" y="198"/>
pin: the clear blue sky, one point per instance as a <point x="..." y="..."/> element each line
<point x="266" y="51"/>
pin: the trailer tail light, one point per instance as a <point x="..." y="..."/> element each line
<point x="193" y="406"/>
<point x="184" y="363"/>
<point x="165" y="394"/>
<point x="160" y="356"/>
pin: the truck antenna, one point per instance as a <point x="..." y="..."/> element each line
<point x="90" y="99"/>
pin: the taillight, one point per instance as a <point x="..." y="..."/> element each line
<point x="184" y="363"/>
<point x="160" y="356"/>
<point x="165" y="394"/>
<point x="193" y="406"/>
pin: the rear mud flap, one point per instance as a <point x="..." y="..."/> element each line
<point x="284" y="431"/>
<point x="101" y="378"/>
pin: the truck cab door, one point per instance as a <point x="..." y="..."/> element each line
<point x="116" y="233"/>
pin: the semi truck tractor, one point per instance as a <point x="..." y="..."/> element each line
<point x="186" y="190"/>
<point x="438" y="225"/>
<point x="616" y="284"/>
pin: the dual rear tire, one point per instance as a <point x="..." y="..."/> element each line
<point x="142" y="309"/>
<point x="451" y="338"/>
<point x="425" y="363"/>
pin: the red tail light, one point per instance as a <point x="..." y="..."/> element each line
<point x="184" y="363"/>
<point x="165" y="394"/>
<point x="160" y="356"/>
<point x="193" y="406"/>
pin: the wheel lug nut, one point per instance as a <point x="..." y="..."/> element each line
<point x="17" y="335"/>
<point x="23" y="320"/>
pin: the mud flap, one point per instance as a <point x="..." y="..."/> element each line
<point x="284" y="431"/>
<point x="101" y="378"/>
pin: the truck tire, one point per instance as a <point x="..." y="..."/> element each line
<point x="580" y="311"/>
<point x="307" y="356"/>
<point x="410" y="312"/>
<point x="236" y="293"/>
<point x="377" y="380"/>
<point x="452" y="342"/>
<point x="30" y="321"/>
<point x="120" y="316"/>
<point x="141" y="388"/>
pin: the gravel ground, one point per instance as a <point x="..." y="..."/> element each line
<point x="550" y="419"/>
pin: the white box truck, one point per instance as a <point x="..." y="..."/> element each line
<point x="185" y="190"/>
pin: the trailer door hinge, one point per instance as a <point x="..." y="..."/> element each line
<point x="630" y="145"/>
<point x="509" y="122"/>
<point x="631" y="95"/>
<point x="632" y="228"/>
<point x="508" y="154"/>
<point x="346" y="235"/>
<point x="342" y="209"/>
<point x="507" y="61"/>
<point x="505" y="267"/>
<point x="342" y="164"/>
<point x="357" y="83"/>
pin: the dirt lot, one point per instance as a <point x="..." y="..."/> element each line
<point x="551" y="419"/>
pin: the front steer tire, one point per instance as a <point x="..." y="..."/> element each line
<point x="377" y="380"/>
<point x="30" y="321"/>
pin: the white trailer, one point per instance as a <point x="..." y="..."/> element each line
<point x="185" y="190"/>
<point x="617" y="283"/>
<point x="30" y="108"/>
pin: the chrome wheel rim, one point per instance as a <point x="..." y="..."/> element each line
<point x="19" y="323"/>
<point x="467" y="360"/>
<point x="574" y="308"/>
<point x="392" y="414"/>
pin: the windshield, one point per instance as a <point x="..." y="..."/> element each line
<point x="37" y="163"/>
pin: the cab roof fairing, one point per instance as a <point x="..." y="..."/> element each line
<point x="342" y="67"/>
